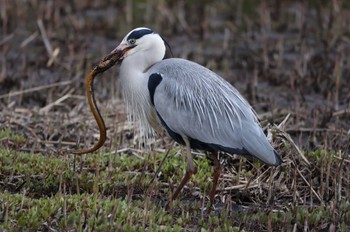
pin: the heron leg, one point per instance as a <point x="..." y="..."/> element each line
<point x="189" y="172"/>
<point x="216" y="175"/>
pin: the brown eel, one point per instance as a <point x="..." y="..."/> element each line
<point x="104" y="65"/>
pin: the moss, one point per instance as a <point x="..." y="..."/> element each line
<point x="105" y="192"/>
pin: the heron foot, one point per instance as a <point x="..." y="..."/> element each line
<point x="184" y="180"/>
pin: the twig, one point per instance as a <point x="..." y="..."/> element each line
<point x="257" y="179"/>
<point x="283" y="123"/>
<point x="53" y="57"/>
<point x="342" y="159"/>
<point x="58" y="101"/>
<point x="123" y="150"/>
<point x="7" y="38"/>
<point x="302" y="129"/>
<point x="280" y="126"/>
<point x="308" y="184"/>
<point x="290" y="140"/>
<point x="341" y="112"/>
<point x="59" y="142"/>
<point x="53" y="53"/>
<point x="45" y="37"/>
<point x="137" y="155"/>
<point x="239" y="186"/>
<point x="29" y="39"/>
<point x="161" y="164"/>
<point x="34" y="89"/>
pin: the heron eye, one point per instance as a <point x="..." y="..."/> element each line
<point x="132" y="41"/>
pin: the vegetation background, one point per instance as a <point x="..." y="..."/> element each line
<point x="290" y="59"/>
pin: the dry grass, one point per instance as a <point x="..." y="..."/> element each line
<point x="289" y="59"/>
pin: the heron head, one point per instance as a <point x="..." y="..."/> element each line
<point x="140" y="44"/>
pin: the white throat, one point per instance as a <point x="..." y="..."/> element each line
<point x="134" y="83"/>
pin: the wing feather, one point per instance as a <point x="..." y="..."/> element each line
<point x="197" y="103"/>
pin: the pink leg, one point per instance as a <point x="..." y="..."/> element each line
<point x="216" y="175"/>
<point x="189" y="172"/>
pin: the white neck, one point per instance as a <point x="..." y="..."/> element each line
<point x="134" y="81"/>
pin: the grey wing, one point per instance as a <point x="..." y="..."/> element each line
<point x="196" y="103"/>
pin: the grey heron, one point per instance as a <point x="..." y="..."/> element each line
<point x="197" y="107"/>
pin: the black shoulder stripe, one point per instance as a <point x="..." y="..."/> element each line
<point x="153" y="81"/>
<point x="139" y="33"/>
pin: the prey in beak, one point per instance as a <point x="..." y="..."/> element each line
<point x="115" y="57"/>
<point x="118" y="54"/>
